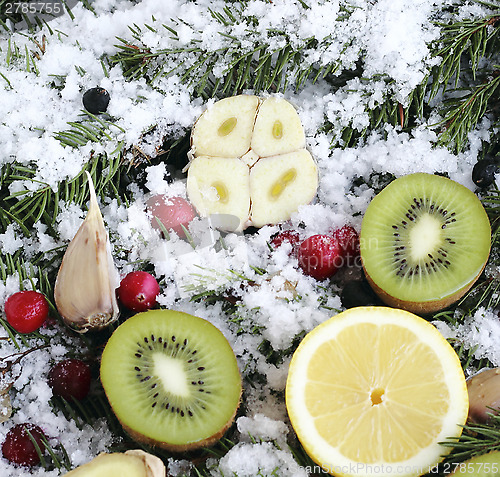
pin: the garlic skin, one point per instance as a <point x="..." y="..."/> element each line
<point x="154" y="465"/>
<point x="133" y="463"/>
<point x="484" y="395"/>
<point x="86" y="283"/>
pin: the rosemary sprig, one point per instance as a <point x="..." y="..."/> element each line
<point x="465" y="112"/>
<point x="475" y="439"/>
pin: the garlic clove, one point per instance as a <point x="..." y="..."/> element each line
<point x="154" y="465"/>
<point x="85" y="288"/>
<point x="133" y="463"/>
<point x="484" y="395"/>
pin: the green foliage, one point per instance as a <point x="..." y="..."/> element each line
<point x="90" y="128"/>
<point x="253" y="62"/>
<point x="476" y="439"/>
<point x="41" y="203"/>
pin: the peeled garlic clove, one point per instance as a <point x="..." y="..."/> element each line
<point x="484" y="395"/>
<point x="85" y="286"/>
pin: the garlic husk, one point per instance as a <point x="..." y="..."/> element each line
<point x="5" y="407"/>
<point x="85" y="288"/>
<point x="133" y="463"/>
<point x="154" y="465"/>
<point x="484" y="395"/>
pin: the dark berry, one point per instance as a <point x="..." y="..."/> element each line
<point x="483" y="172"/>
<point x="358" y="293"/>
<point x="70" y="379"/>
<point x="286" y="236"/>
<point x="96" y="100"/>
<point x="26" y="311"/>
<point x="320" y="256"/>
<point x="349" y="242"/>
<point x="138" y="291"/>
<point x="18" y="447"/>
<point x="173" y="212"/>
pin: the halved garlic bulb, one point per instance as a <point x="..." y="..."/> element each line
<point x="85" y="288"/>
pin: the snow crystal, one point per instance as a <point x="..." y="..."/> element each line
<point x="479" y="332"/>
<point x="9" y="241"/>
<point x="263" y="428"/>
<point x="249" y="460"/>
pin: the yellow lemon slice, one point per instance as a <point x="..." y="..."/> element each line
<point x="373" y="391"/>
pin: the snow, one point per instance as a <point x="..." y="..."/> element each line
<point x="478" y="332"/>
<point x="387" y="40"/>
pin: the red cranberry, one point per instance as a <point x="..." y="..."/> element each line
<point x="26" y="311"/>
<point x="138" y="291"/>
<point x="172" y="212"/>
<point x="70" y="379"/>
<point x="19" y="449"/>
<point x="286" y="236"/>
<point x="349" y="242"/>
<point x="320" y="256"/>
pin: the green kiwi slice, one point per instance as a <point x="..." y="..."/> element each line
<point x="172" y="379"/>
<point x="485" y="465"/>
<point x="424" y="241"/>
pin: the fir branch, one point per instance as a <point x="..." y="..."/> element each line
<point x="465" y="112"/>
<point x="91" y="128"/>
<point x="26" y="207"/>
<point x="476" y="439"/>
<point x="471" y="39"/>
<point x="269" y="62"/>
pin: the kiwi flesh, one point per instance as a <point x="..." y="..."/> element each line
<point x="424" y="241"/>
<point x="485" y="465"/>
<point x="171" y="379"/>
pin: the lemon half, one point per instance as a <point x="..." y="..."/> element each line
<point x="373" y="391"/>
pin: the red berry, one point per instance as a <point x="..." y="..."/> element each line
<point x="18" y="448"/>
<point x="286" y="236"/>
<point x="70" y="379"/>
<point x="26" y="311"/>
<point x="138" y="291"/>
<point x="320" y="256"/>
<point x="172" y="212"/>
<point x="349" y="242"/>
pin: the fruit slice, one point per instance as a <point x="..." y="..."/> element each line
<point x="277" y="129"/>
<point x="376" y="388"/>
<point x="260" y="185"/>
<point x="220" y="185"/>
<point x="171" y="379"/>
<point x="485" y="465"/>
<point x="134" y="463"/>
<point x="225" y="128"/>
<point x="424" y="241"/>
<point x="280" y="184"/>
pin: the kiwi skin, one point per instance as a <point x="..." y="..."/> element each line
<point x="136" y="436"/>
<point x="425" y="307"/>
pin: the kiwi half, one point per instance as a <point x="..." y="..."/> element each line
<point x="171" y="379"/>
<point x="424" y="241"/>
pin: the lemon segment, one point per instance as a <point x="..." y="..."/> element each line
<point x="373" y="391"/>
